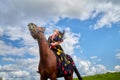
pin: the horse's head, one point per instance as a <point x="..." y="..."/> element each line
<point x="35" y="30"/>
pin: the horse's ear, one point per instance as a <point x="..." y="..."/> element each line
<point x="43" y="29"/>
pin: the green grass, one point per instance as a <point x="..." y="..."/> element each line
<point x="107" y="76"/>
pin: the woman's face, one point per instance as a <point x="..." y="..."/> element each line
<point x="55" y="33"/>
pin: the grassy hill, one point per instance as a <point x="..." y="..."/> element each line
<point x="107" y="76"/>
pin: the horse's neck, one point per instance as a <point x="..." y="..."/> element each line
<point x="43" y="46"/>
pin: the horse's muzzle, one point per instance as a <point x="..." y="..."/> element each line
<point x="32" y="28"/>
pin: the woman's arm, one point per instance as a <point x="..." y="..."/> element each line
<point x="56" y="43"/>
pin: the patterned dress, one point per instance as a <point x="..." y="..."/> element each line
<point x="64" y="62"/>
<point x="57" y="49"/>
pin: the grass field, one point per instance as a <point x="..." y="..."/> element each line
<point x="107" y="76"/>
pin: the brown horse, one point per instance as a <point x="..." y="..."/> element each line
<point x="47" y="64"/>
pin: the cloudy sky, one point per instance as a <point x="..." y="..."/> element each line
<point x="92" y="34"/>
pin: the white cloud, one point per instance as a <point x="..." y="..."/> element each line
<point x="8" y="59"/>
<point x="26" y="67"/>
<point x="117" y="2"/>
<point x="86" y="67"/>
<point x="117" y="68"/>
<point x="12" y="50"/>
<point x="42" y="12"/>
<point x="1" y="31"/>
<point x="17" y="33"/>
<point x="100" y="68"/>
<point x="19" y="74"/>
<point x="70" y="42"/>
<point x="118" y="55"/>
<point x="23" y="69"/>
<point x="26" y="43"/>
<point x="8" y="49"/>
<point x="34" y="50"/>
<point x="9" y="68"/>
<point x="117" y="49"/>
<point x="110" y="15"/>
<point x="93" y="57"/>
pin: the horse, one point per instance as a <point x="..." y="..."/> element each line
<point x="47" y="67"/>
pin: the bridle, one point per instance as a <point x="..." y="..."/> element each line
<point x="33" y="29"/>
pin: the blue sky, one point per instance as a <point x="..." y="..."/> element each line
<point x="102" y="43"/>
<point x="92" y="35"/>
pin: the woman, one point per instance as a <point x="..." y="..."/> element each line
<point x="54" y="40"/>
<point x="63" y="60"/>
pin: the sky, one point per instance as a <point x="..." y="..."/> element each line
<point x="92" y="35"/>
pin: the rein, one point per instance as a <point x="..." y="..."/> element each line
<point x="33" y="29"/>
